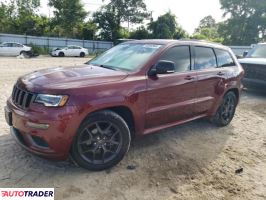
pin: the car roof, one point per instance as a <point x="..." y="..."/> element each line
<point x="180" y="42"/>
<point x="11" y="42"/>
<point x="74" y="46"/>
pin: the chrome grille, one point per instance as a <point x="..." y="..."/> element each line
<point x="22" y="98"/>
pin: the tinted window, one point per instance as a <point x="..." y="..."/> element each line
<point x="7" y="45"/>
<point x="205" y="58"/>
<point x="224" y="59"/>
<point x="180" y="56"/>
<point x="126" y="56"/>
<point x="17" y="45"/>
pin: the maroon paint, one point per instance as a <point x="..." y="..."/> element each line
<point x="155" y="102"/>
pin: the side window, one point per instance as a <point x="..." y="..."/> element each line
<point x="224" y="59"/>
<point x="17" y="45"/>
<point x="7" y="45"/>
<point x="180" y="55"/>
<point x="205" y="58"/>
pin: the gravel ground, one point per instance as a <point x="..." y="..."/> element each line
<point x="193" y="161"/>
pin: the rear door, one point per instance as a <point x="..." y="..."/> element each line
<point x="211" y="79"/>
<point x="77" y="51"/>
<point x="171" y="97"/>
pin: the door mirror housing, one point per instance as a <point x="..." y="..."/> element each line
<point x="163" y="67"/>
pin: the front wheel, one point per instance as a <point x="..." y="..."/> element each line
<point x="61" y="54"/>
<point x="226" y="111"/>
<point x="24" y="54"/>
<point x="101" y="142"/>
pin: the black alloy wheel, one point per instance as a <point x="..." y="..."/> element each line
<point x="102" y="141"/>
<point x="226" y="111"/>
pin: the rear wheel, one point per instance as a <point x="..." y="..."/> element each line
<point x="226" y="111"/>
<point x="82" y="54"/>
<point x="102" y="141"/>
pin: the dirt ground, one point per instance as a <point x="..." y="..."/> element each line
<point x="193" y="161"/>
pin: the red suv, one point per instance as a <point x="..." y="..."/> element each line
<point x="92" y="111"/>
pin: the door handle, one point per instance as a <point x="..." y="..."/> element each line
<point x="189" y="78"/>
<point x="220" y="73"/>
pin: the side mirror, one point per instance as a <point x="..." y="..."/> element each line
<point x="163" y="67"/>
<point x="245" y="54"/>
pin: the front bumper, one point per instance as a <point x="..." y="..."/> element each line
<point x="53" y="142"/>
<point x="254" y="83"/>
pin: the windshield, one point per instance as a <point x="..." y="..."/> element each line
<point x="258" y="52"/>
<point x="129" y="57"/>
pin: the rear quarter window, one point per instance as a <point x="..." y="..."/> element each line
<point x="224" y="58"/>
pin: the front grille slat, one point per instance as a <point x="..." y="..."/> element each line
<point x="25" y="100"/>
<point x="22" y="98"/>
<point x="17" y="97"/>
<point x="254" y="71"/>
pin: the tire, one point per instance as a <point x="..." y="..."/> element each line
<point x="61" y="54"/>
<point x="101" y="142"/>
<point x="82" y="54"/>
<point x="226" y="111"/>
<point x="24" y="54"/>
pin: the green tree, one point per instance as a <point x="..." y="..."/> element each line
<point x="110" y="17"/>
<point x="69" y="14"/>
<point x="6" y="12"/>
<point x="208" y="30"/>
<point x="206" y="22"/>
<point x="246" y="23"/>
<point x="140" y="33"/>
<point x="20" y="17"/>
<point x="166" y="27"/>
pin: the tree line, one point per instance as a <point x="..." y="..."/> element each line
<point x="245" y="22"/>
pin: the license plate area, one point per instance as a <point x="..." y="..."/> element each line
<point x="8" y="116"/>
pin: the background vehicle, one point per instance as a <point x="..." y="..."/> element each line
<point x="70" y="51"/>
<point x="134" y="89"/>
<point x="254" y="65"/>
<point x="14" y="49"/>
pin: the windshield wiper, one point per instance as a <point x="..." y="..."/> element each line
<point x="108" y="67"/>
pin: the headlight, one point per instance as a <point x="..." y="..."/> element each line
<point x="51" y="100"/>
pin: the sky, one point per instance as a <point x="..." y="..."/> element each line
<point x="188" y="12"/>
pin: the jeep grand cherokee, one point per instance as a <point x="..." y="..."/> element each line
<point x="92" y="111"/>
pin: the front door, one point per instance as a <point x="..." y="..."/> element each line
<point x="171" y="97"/>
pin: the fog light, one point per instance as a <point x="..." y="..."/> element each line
<point x="37" y="126"/>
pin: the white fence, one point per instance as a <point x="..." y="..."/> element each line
<point x="93" y="46"/>
<point x="52" y="42"/>
<point x="239" y="50"/>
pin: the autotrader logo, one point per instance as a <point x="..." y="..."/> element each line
<point x="26" y="193"/>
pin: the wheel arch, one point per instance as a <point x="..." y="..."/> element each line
<point x="236" y="92"/>
<point x="123" y="111"/>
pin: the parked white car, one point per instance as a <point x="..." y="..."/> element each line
<point x="70" y="51"/>
<point x="14" y="49"/>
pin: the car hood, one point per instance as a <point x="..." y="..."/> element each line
<point x="70" y="78"/>
<point x="258" y="61"/>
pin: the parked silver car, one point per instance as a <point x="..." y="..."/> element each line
<point x="14" y="49"/>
